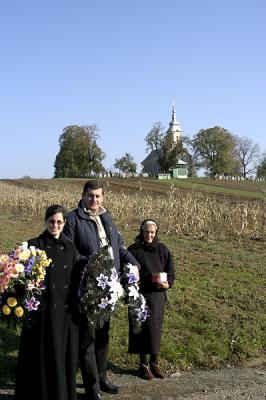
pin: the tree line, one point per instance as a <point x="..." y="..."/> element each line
<point x="215" y="149"/>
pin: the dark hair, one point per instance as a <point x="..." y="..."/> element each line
<point x="94" y="185"/>
<point x="54" y="209"/>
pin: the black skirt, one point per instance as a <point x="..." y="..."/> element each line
<point x="149" y="339"/>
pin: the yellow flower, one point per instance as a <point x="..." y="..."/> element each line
<point x="19" y="311"/>
<point x="24" y="255"/>
<point x="32" y="250"/>
<point x="4" y="258"/>
<point x="6" y="310"/>
<point x="12" y="301"/>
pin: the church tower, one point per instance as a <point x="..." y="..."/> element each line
<point x="174" y="127"/>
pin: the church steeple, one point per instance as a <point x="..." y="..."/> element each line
<point x="174" y="127"/>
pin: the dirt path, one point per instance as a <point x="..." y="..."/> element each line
<point x="230" y="384"/>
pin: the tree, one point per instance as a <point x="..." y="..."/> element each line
<point x="214" y="150"/>
<point x="79" y="154"/>
<point x="155" y="137"/>
<point x="247" y="155"/>
<point x="126" y="164"/>
<point x="261" y="169"/>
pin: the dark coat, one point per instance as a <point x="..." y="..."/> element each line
<point x="152" y="258"/>
<point x="82" y="230"/>
<point x="48" y="351"/>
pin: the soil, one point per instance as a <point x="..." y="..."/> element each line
<point x="247" y="383"/>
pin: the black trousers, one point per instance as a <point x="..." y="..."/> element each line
<point x="93" y="351"/>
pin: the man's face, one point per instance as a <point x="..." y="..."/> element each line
<point x="93" y="199"/>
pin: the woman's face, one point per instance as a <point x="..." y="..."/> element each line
<point x="55" y="224"/>
<point x="149" y="233"/>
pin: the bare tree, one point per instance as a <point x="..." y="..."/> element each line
<point x="247" y="155"/>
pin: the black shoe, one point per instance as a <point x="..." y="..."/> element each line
<point x="108" y="387"/>
<point x="95" y="396"/>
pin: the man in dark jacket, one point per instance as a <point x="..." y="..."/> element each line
<point x="91" y="227"/>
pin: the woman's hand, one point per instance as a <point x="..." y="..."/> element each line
<point x="164" y="285"/>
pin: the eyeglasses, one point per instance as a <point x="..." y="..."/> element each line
<point x="53" y="222"/>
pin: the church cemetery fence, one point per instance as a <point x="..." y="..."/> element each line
<point x="191" y="214"/>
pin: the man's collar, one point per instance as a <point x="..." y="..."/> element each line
<point x="101" y="211"/>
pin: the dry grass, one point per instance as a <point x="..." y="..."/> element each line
<point x="188" y="213"/>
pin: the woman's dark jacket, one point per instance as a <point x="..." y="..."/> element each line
<point x="82" y="230"/>
<point x="153" y="258"/>
<point x="48" y="349"/>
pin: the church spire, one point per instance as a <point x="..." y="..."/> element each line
<point x="173" y="114"/>
<point x="174" y="126"/>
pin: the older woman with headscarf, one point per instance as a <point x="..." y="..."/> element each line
<point x="157" y="274"/>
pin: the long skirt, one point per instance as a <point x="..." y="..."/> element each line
<point x="47" y="360"/>
<point x="149" y="339"/>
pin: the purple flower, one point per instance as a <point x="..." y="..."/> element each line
<point x="131" y="278"/>
<point x="42" y="285"/>
<point x="141" y="315"/>
<point x="102" y="281"/>
<point x="32" y="304"/>
<point x="103" y="304"/>
<point x="114" y="274"/>
<point x="29" y="264"/>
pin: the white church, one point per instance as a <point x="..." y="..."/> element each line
<point x="151" y="165"/>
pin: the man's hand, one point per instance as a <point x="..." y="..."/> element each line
<point x="135" y="271"/>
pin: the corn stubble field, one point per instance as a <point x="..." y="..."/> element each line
<point x="215" y="315"/>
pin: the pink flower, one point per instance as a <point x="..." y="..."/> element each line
<point x="32" y="304"/>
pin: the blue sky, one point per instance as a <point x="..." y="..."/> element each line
<point x="120" y="64"/>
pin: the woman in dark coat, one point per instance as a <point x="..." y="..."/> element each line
<point x="48" y="352"/>
<point x="154" y="259"/>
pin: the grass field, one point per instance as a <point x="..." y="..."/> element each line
<point x="215" y="315"/>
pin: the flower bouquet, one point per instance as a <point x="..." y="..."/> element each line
<point x="101" y="291"/>
<point x="22" y="274"/>
<point x="136" y="302"/>
<point x="100" y="288"/>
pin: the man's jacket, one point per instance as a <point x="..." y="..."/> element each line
<point x="82" y="230"/>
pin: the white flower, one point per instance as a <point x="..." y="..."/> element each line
<point x="24" y="246"/>
<point x="113" y="299"/>
<point x="133" y="292"/>
<point x="30" y="285"/>
<point x="102" y="281"/>
<point x="116" y="287"/>
<point x="19" y="267"/>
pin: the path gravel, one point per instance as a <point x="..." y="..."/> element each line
<point x="223" y="384"/>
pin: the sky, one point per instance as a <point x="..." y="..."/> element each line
<point x="120" y="64"/>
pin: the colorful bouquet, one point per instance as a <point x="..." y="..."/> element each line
<point x="136" y="301"/>
<point x="22" y="274"/>
<point x="101" y="291"/>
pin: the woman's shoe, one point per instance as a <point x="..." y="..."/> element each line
<point x="157" y="372"/>
<point x="144" y="372"/>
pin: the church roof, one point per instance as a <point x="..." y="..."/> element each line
<point x="181" y="162"/>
